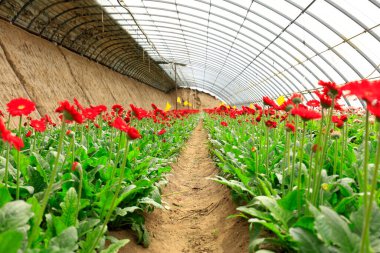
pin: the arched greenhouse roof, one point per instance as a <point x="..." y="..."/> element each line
<point x="236" y="50"/>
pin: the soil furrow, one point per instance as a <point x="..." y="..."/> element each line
<point x="196" y="221"/>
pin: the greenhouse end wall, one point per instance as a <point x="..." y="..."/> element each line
<point x="35" y="68"/>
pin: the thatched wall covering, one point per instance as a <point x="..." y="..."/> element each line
<point x="37" y="69"/>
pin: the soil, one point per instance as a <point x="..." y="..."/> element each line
<point x="197" y="219"/>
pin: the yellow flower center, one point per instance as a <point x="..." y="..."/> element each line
<point x="20" y="107"/>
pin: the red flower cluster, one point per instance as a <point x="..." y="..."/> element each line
<point x="69" y="112"/>
<point x="7" y="136"/>
<point x="223" y="123"/>
<point x="20" y="106"/>
<point x="132" y="132"/>
<point x="140" y="113"/>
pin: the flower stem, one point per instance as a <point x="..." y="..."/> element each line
<point x="18" y="163"/>
<point x="364" y="244"/>
<point x="7" y="166"/>
<point x="267" y="151"/>
<point x="79" y="190"/>
<point x="287" y="161"/>
<point x="294" y="155"/>
<point x="300" y="166"/>
<point x="41" y="211"/>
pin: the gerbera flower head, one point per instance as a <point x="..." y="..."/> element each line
<point x="120" y="124"/>
<point x="325" y="100"/>
<point x="269" y="102"/>
<point x="223" y="123"/>
<point x="133" y="133"/>
<point x="331" y="89"/>
<point x="364" y="89"/>
<point x="271" y="124"/>
<point x="313" y="103"/>
<point x="290" y="127"/>
<point x="306" y="114"/>
<point x="20" y="106"/>
<point x="161" y="132"/>
<point x="296" y="98"/>
<point x="118" y="109"/>
<point x="79" y="106"/>
<point x="38" y="125"/>
<point x="69" y="112"/>
<point x="8" y="137"/>
<point x="90" y="113"/>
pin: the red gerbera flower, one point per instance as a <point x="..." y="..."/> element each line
<point x="133" y="133"/>
<point x="118" y="109"/>
<point x="7" y="136"/>
<point x="296" y="98"/>
<point x="326" y="101"/>
<point x="290" y="127"/>
<point x="306" y="114"/>
<point x="120" y="124"/>
<point x="375" y="110"/>
<point x="48" y="120"/>
<point x="69" y="113"/>
<point x="76" y="166"/>
<point x="331" y="89"/>
<point x="38" y="125"/>
<point x="223" y="123"/>
<point x="313" y="103"/>
<point x="90" y="113"/>
<point x="364" y="89"/>
<point x="76" y="102"/>
<point x="344" y="118"/>
<point x="271" y="124"/>
<point x="99" y="108"/>
<point x="270" y="102"/>
<point x="20" y="106"/>
<point x="161" y="132"/>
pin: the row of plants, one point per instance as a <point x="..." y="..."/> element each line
<point x="305" y="174"/>
<point x="64" y="184"/>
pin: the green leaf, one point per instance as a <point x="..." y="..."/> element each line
<point x="36" y="180"/>
<point x="87" y="225"/>
<point x="305" y="222"/>
<point x="279" y="213"/>
<point x="69" y="207"/>
<point x="334" y="230"/>
<point x="150" y="201"/>
<point x="15" y="215"/>
<point x="254" y="212"/>
<point x="10" y="241"/>
<point x="66" y="242"/>
<point x="115" y="246"/>
<point x="289" y="201"/>
<point x="126" y="210"/>
<point x="5" y="196"/>
<point x="307" y="242"/>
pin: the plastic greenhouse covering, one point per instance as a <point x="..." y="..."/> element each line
<point x="241" y="50"/>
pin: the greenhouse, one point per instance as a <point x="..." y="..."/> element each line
<point x="189" y="126"/>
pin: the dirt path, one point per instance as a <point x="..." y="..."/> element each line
<point x="196" y="221"/>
